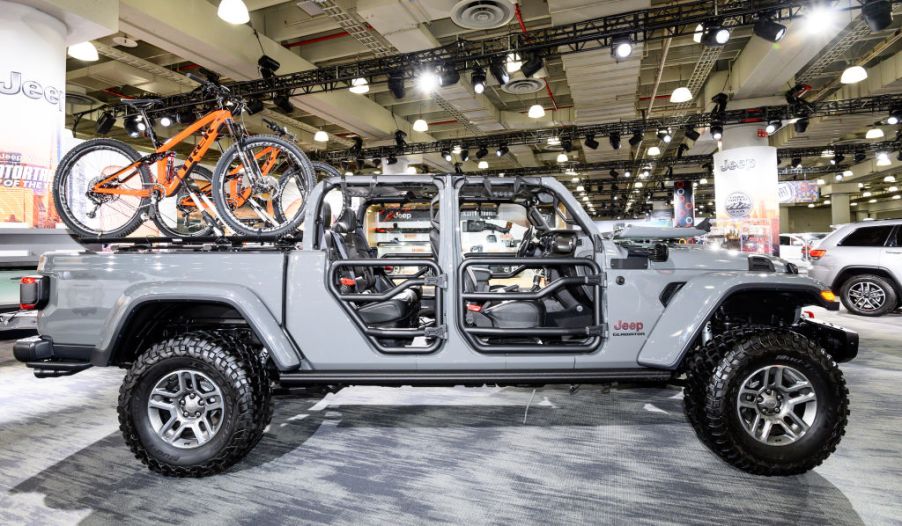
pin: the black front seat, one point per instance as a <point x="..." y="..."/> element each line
<point x="393" y="312"/>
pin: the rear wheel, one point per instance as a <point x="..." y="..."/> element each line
<point x="768" y="401"/>
<point x="90" y="214"/>
<point x="868" y="295"/>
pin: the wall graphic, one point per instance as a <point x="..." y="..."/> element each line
<point x="748" y="212"/>
<point x="683" y="204"/>
<point x="792" y="192"/>
<point x="32" y="100"/>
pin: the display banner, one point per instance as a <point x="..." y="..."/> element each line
<point x="745" y="194"/>
<point x="683" y="204"/>
<point x="792" y="192"/>
<point x="32" y="106"/>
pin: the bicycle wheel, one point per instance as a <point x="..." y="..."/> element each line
<point x="90" y="214"/>
<point x="247" y="196"/>
<point x="291" y="198"/>
<point x="179" y="216"/>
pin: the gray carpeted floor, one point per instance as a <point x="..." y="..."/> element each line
<point x="410" y="456"/>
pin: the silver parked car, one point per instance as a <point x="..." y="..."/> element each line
<point x="863" y="261"/>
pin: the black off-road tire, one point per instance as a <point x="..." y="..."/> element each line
<point x="214" y="356"/>
<point x="890" y="302"/>
<point x="715" y="372"/>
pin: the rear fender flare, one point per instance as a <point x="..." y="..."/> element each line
<point x="242" y="299"/>
<point x="690" y="309"/>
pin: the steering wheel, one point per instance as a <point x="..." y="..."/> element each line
<point x="523" y="249"/>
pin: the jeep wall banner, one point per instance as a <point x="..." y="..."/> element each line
<point x="748" y="213"/>
<point x="32" y="99"/>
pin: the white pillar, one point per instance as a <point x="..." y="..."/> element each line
<point x="32" y="103"/>
<point x="840" y="212"/>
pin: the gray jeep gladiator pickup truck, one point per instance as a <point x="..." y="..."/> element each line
<point x="440" y="280"/>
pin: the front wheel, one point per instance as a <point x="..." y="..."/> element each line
<point x="250" y="179"/>
<point x="767" y="400"/>
<point x="868" y="295"/>
<point x="179" y="216"/>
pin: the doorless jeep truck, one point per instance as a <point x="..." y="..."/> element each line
<point x="441" y="280"/>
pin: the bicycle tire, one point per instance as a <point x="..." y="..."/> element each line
<point x="62" y="200"/>
<point x="164" y="229"/>
<point x="318" y="166"/>
<point x="219" y="177"/>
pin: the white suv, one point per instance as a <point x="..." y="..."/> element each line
<point x="863" y="261"/>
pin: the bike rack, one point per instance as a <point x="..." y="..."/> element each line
<point x="593" y="334"/>
<point x="436" y="333"/>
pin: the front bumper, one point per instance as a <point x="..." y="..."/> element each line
<point x="47" y="360"/>
<point x="840" y="343"/>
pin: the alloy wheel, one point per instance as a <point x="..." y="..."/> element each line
<point x="776" y="405"/>
<point x="186" y="409"/>
<point x="867" y="296"/>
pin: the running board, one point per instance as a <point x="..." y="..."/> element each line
<point x="57" y="369"/>
<point x="473" y="378"/>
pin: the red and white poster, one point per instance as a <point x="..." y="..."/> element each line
<point x="748" y="210"/>
<point x="683" y="204"/>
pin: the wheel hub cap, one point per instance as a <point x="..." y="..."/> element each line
<point x="185" y="409"/>
<point x="867" y="295"/>
<point x="776" y="405"/>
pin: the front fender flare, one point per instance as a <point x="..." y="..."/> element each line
<point x="242" y="299"/>
<point x="686" y="314"/>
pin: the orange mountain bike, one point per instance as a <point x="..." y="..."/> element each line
<point x="103" y="188"/>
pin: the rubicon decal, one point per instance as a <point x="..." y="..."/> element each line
<point x="629" y="328"/>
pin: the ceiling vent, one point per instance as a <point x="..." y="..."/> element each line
<point x="523" y="86"/>
<point x="482" y="14"/>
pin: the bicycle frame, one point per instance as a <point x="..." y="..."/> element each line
<point x="212" y="121"/>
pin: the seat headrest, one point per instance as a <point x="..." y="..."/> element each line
<point x="326" y="216"/>
<point x="346" y="222"/>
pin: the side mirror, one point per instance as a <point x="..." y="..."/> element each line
<point x="659" y="253"/>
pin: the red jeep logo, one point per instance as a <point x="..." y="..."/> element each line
<point x="632" y="326"/>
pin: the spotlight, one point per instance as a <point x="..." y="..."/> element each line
<point x="281" y="101"/>
<point x="446" y="154"/>
<point x="165" y="121"/>
<point x="773" y="126"/>
<point x="614" y="174"/>
<point x="664" y="135"/>
<point x="801" y="125"/>
<point x="532" y="66"/>
<point x="268" y="66"/>
<point x="478" y="79"/>
<point x="714" y="34"/>
<point x="427" y="81"/>
<point x="895" y="117"/>
<point x="358" y="146"/>
<point x="186" y="116"/>
<point x="513" y="62"/>
<point x="796" y="162"/>
<point x="133" y="127"/>
<point x="567" y="144"/>
<point x="860" y="156"/>
<point x="400" y="138"/>
<point x="717" y="131"/>
<point x="254" y="105"/>
<point x="482" y="151"/>
<point x="613" y="138"/>
<point x="105" y="123"/>
<point x="497" y="70"/>
<point x="396" y="84"/>
<point x="392" y="159"/>
<point x="621" y="47"/>
<point x="720" y="102"/>
<point x="636" y="139"/>
<point x="464" y="154"/>
<point x="878" y="14"/>
<point x="690" y="133"/>
<point x="837" y="158"/>
<point x="458" y="168"/>
<point x="502" y="150"/>
<point x="681" y="150"/>
<point x="449" y="76"/>
<point x="769" y="30"/>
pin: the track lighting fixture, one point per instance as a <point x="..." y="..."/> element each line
<point x="133" y="126"/>
<point x="717" y="130"/>
<point x="714" y="34"/>
<point x="357" y="147"/>
<point x="860" y="156"/>
<point x="427" y="80"/>
<point x="878" y="14"/>
<point x="683" y="148"/>
<point x="458" y="168"/>
<point x="449" y="76"/>
<point x="477" y="78"/>
<point x="282" y="102"/>
<point x="359" y="86"/>
<point x="400" y="138"/>
<point x="636" y="139"/>
<point x="690" y="133"/>
<point x="720" y="102"/>
<point x="267" y="66"/>
<point x="769" y="30"/>
<point x="497" y="70"/>
<point x="482" y="151"/>
<point x="837" y="158"/>
<point x="613" y="138"/>
<point x="446" y="155"/>
<point x="532" y="66"/>
<point x="502" y="150"/>
<point x="801" y="125"/>
<point x="186" y="116"/>
<point x="464" y="154"/>
<point x="567" y="144"/>
<point x="895" y="116"/>
<point x="254" y="105"/>
<point x="664" y="135"/>
<point x="165" y="121"/>
<point x="773" y="126"/>
<point x="396" y="84"/>
<point x="796" y="162"/>
<point x="392" y="159"/>
<point x="614" y="174"/>
<point x="105" y="123"/>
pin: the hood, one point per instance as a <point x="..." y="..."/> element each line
<point x="710" y="259"/>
